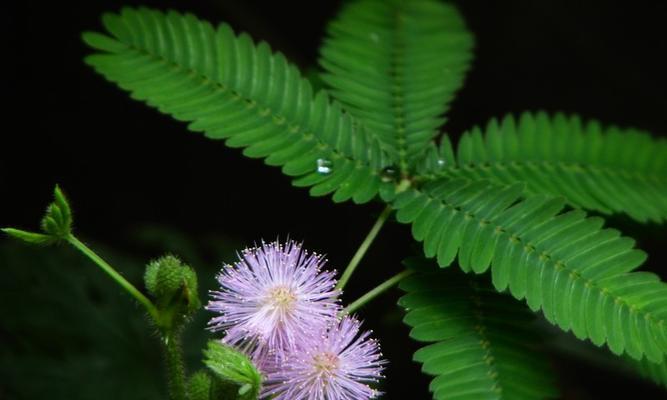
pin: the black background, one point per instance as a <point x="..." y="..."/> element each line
<point x="124" y="164"/>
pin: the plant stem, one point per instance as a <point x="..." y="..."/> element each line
<point x="131" y="289"/>
<point x="378" y="290"/>
<point x="173" y="354"/>
<point x="362" y="249"/>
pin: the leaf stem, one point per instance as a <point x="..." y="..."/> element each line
<point x="378" y="290"/>
<point x="361" y="251"/>
<point x="124" y="283"/>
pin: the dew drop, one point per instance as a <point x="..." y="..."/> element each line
<point x="389" y="174"/>
<point x="441" y="162"/>
<point x="324" y="166"/>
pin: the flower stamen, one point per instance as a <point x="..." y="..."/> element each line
<point x="325" y="363"/>
<point x="281" y="298"/>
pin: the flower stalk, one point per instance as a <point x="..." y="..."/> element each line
<point x="115" y="276"/>
<point x="375" y="292"/>
<point x="361" y="251"/>
<point x="173" y="353"/>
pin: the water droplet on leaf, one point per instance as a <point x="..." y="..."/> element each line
<point x="389" y="174"/>
<point x="324" y="166"/>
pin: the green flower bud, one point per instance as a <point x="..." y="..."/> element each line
<point x="57" y="220"/>
<point x="174" y="286"/>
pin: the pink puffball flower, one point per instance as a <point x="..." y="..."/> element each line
<point x="272" y="298"/>
<point x="335" y="365"/>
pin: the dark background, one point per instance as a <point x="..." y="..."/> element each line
<point x="128" y="168"/>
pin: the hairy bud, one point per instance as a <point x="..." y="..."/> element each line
<point x="174" y="286"/>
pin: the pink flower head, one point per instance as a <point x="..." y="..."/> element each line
<point x="336" y="365"/>
<point x="273" y="298"/>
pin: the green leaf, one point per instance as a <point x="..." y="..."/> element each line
<point x="396" y="65"/>
<point x="485" y="347"/>
<point x="563" y="263"/>
<point x="28" y="237"/>
<point x="609" y="170"/>
<point x="233" y="366"/>
<point x="231" y="88"/>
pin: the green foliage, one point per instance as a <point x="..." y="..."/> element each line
<point x="396" y="65"/>
<point x="564" y="263"/>
<point x="607" y="170"/>
<point x="233" y="366"/>
<point x="56" y="223"/>
<point x="485" y="346"/>
<point x="231" y="88"/>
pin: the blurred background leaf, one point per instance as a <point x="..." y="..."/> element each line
<point x="64" y="323"/>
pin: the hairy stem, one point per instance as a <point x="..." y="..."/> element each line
<point x="124" y="283"/>
<point x="378" y="290"/>
<point x="361" y="251"/>
<point x="173" y="354"/>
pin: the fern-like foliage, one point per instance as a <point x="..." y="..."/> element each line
<point x="485" y="347"/>
<point x="607" y="170"/>
<point x="231" y="88"/>
<point x="396" y="65"/>
<point x="564" y="263"/>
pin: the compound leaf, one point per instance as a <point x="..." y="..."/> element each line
<point x="579" y="274"/>
<point x="231" y="88"/>
<point x="483" y="346"/>
<point x="396" y="65"/>
<point x="608" y="170"/>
